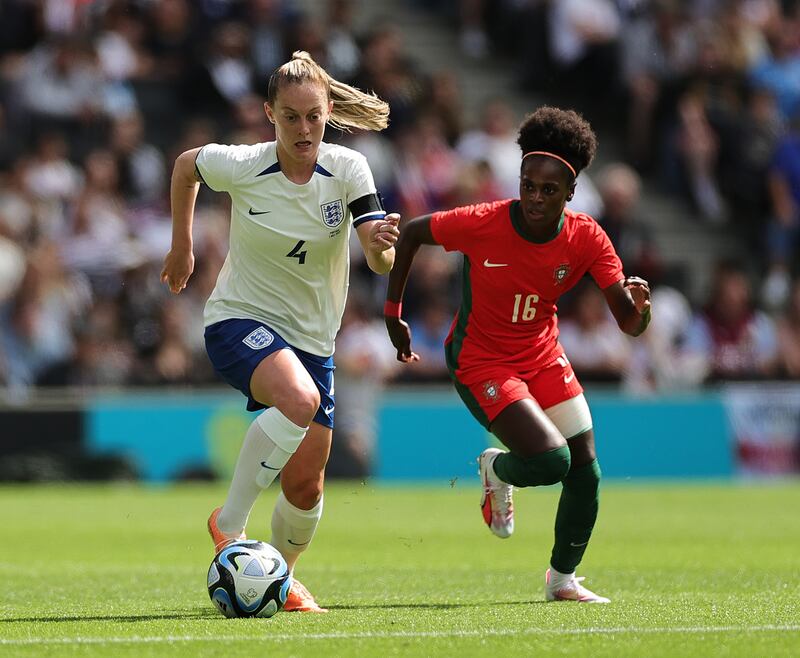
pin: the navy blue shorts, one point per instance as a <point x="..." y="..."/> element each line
<point x="236" y="347"/>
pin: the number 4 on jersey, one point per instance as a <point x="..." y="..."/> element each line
<point x="296" y="253"/>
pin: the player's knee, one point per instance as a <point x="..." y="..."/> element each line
<point x="547" y="467"/>
<point x="585" y="478"/>
<point x="303" y="492"/>
<point x="300" y="403"/>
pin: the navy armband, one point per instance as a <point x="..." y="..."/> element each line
<point x="367" y="208"/>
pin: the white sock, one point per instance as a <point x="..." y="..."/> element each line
<point x="293" y="528"/>
<point x="558" y="579"/>
<point x="270" y="441"/>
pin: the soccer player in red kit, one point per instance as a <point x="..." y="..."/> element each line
<point x="503" y="352"/>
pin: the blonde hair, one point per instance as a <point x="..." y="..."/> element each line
<point x="352" y="108"/>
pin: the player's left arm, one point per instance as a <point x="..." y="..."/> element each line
<point x="629" y="301"/>
<point x="378" y="238"/>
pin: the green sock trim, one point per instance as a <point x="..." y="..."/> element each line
<point x="576" y="516"/>
<point x="542" y="469"/>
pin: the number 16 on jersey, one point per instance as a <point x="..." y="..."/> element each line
<point x="528" y="308"/>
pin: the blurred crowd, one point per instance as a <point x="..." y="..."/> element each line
<point x="98" y="97"/>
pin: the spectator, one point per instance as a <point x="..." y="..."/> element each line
<point x="143" y="177"/>
<point x="620" y="191"/>
<point x="431" y="325"/>
<point x="659" y="363"/>
<point x="364" y="363"/>
<point x="659" y="50"/>
<point x="788" y="324"/>
<point x="583" y="44"/>
<point x="597" y="351"/>
<point x="734" y="340"/>
<point x="779" y="70"/>
<point x="495" y="142"/>
<point x="783" y="230"/>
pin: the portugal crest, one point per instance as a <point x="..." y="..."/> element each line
<point x="560" y="273"/>
<point x="332" y="213"/>
<point x="491" y="391"/>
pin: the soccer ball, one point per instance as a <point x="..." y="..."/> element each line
<point x="248" y="579"/>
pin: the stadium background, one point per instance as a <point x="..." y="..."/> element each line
<point x="103" y="373"/>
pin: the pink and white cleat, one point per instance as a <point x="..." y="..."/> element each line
<point x="569" y="590"/>
<point x="496" y="501"/>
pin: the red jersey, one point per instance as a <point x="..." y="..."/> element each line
<point x="511" y="284"/>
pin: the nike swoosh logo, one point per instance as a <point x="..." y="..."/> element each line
<point x="272" y="468"/>
<point x="294" y="543"/>
<point x="259" y="212"/>
<point x="568" y="379"/>
<point x="486" y="263"/>
<point x="572" y="543"/>
<point x="329" y="410"/>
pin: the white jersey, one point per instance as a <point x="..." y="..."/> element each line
<point x="288" y="264"/>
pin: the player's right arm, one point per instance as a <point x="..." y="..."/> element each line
<point x="179" y="262"/>
<point x="414" y="233"/>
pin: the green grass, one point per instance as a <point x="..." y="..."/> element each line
<point x="693" y="570"/>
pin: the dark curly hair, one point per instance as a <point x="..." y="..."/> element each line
<point x="562" y="132"/>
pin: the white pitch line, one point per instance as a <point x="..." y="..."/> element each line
<point x="285" y="637"/>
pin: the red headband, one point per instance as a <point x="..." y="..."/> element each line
<point x="553" y="155"/>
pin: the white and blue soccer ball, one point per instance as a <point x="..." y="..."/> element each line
<point x="248" y="579"/>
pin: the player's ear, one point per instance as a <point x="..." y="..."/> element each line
<point x="268" y="111"/>
<point x="571" y="191"/>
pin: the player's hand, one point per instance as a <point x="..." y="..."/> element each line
<point x="384" y="233"/>
<point x="639" y="290"/>
<point x="400" y="335"/>
<point x="178" y="267"/>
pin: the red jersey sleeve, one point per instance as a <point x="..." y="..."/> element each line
<point x="606" y="268"/>
<point x="460" y="228"/>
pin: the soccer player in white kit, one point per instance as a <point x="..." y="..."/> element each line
<point x="279" y="298"/>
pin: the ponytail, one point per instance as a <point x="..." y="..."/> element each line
<point x="352" y="108"/>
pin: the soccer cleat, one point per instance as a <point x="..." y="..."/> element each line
<point x="572" y="590"/>
<point x="496" y="503"/>
<point x="301" y="600"/>
<point x="220" y="539"/>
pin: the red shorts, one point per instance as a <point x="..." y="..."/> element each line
<point x="487" y="391"/>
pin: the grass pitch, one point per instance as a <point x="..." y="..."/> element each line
<point x="692" y="570"/>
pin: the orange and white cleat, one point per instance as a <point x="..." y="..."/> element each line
<point x="570" y="590"/>
<point x="220" y="539"/>
<point x="301" y="600"/>
<point x="497" y="505"/>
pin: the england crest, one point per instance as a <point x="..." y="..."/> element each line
<point x="332" y="213"/>
<point x="259" y="338"/>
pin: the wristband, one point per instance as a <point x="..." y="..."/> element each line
<point x="392" y="309"/>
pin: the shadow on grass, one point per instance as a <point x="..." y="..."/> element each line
<point x="427" y="606"/>
<point x="196" y="614"/>
<point x="212" y="614"/>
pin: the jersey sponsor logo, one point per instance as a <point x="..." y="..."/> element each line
<point x="561" y="272"/>
<point x="259" y="338"/>
<point x="258" y="212"/>
<point x="486" y="263"/>
<point x="332" y="213"/>
<point x="491" y="391"/>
